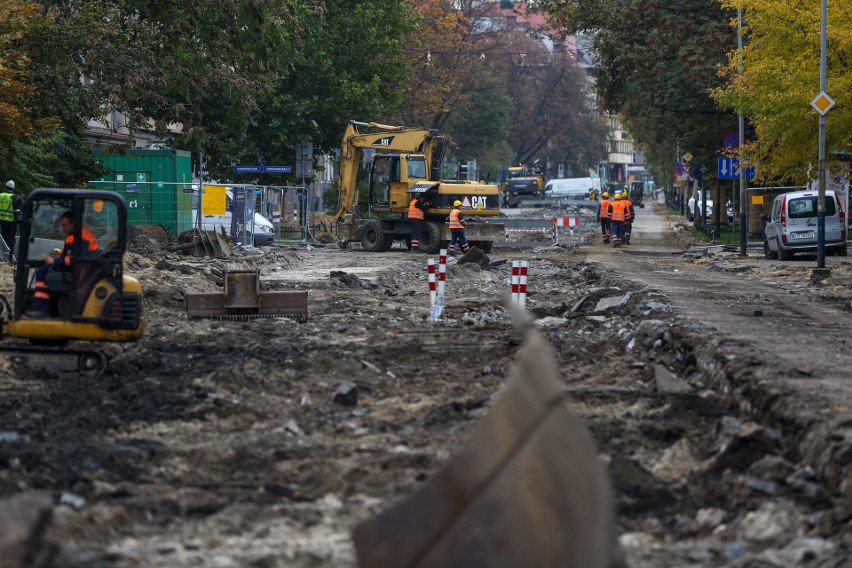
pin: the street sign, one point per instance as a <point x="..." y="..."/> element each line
<point x="729" y="168"/>
<point x="731" y="141"/>
<point x="278" y="169"/>
<point x="822" y="103"/>
<point x="687" y="157"/>
<point x="248" y="169"/>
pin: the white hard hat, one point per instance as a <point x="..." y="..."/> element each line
<point x="10" y="184"/>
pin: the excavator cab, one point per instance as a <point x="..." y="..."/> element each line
<point x="90" y="298"/>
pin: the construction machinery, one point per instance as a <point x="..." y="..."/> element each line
<point x="522" y="183"/>
<point x="244" y="298"/>
<point x="407" y="163"/>
<point x="90" y="300"/>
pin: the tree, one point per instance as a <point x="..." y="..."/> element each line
<point x="656" y="64"/>
<point x="779" y="79"/>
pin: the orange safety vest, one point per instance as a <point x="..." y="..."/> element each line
<point x="627" y="205"/>
<point x="455" y="223"/>
<point x="413" y="211"/>
<point x="605" y="203"/>
<point x="88" y="236"/>
<point x="618" y="211"/>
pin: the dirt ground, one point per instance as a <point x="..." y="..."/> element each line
<point x="713" y="385"/>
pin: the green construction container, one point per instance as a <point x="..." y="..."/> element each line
<point x="156" y="185"/>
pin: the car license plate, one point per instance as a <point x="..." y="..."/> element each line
<point x="805" y="235"/>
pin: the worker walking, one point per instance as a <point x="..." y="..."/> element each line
<point x="630" y="215"/>
<point x="10" y="214"/>
<point x="604" y="215"/>
<point x="618" y="214"/>
<point x="415" y="217"/>
<point x="457" y="223"/>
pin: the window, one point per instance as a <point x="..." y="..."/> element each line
<point x="804" y="207"/>
<point x="417" y="168"/>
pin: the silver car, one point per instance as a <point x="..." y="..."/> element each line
<point x="791" y="225"/>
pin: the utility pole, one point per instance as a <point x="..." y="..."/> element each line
<point x="743" y="191"/>
<point x="822" y="173"/>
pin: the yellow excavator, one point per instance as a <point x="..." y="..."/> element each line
<point x="90" y="300"/>
<point x="407" y="163"/>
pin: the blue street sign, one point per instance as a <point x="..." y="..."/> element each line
<point x="729" y="168"/>
<point x="731" y="141"/>
<point x="278" y="169"/>
<point x="248" y="169"/>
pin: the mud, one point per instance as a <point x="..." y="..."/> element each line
<point x="263" y="443"/>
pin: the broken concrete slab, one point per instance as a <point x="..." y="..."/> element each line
<point x="668" y="383"/>
<point x="23" y="521"/>
<point x="610" y="303"/>
<point x="476" y="255"/>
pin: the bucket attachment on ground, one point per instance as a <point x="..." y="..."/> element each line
<point x="244" y="298"/>
<point x="527" y="489"/>
<point x="205" y="243"/>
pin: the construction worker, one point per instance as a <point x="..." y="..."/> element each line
<point x="10" y="213"/>
<point x="457" y="223"/>
<point x="415" y="217"/>
<point x="593" y="195"/>
<point x="63" y="262"/>
<point x="618" y="214"/>
<point x="604" y="215"/>
<point x="631" y="214"/>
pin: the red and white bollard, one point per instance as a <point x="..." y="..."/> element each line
<point x="522" y="285"/>
<point x="442" y="273"/>
<point x="516" y="274"/>
<point x="433" y="294"/>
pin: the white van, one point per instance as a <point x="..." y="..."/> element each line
<point x="263" y="230"/>
<point x="791" y="225"/>
<point x="571" y="188"/>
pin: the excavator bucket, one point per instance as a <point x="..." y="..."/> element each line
<point x="527" y="489"/>
<point x="244" y="298"/>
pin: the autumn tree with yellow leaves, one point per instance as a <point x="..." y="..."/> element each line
<point x="14" y="87"/>
<point x="779" y="79"/>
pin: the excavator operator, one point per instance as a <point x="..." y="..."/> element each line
<point x="63" y="262"/>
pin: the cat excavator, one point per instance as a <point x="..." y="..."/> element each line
<point x="406" y="164"/>
<point x="90" y="299"/>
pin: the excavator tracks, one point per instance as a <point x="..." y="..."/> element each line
<point x="56" y="358"/>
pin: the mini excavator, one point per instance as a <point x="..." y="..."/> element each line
<point x="90" y="300"/>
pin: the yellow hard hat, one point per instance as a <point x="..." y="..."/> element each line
<point x="624" y="193"/>
<point x="605" y="194"/>
<point x="456" y="203"/>
<point x="617" y="195"/>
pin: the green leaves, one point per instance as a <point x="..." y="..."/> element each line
<point x="781" y="76"/>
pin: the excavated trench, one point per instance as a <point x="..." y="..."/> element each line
<point x="264" y="443"/>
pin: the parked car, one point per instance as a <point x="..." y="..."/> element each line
<point x="791" y="225"/>
<point x="693" y="205"/>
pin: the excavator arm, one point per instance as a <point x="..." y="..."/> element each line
<point x="383" y="138"/>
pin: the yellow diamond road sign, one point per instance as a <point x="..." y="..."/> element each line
<point x="822" y="103"/>
<point x="687" y="157"/>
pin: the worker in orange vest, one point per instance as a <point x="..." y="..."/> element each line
<point x="618" y="214"/>
<point x="457" y="223"/>
<point x="415" y="217"/>
<point x="64" y="262"/>
<point x="603" y="215"/>
<point x="631" y="214"/>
